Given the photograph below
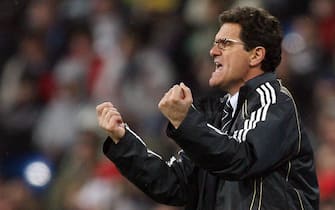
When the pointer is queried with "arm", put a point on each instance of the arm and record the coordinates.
(251, 151)
(163, 182)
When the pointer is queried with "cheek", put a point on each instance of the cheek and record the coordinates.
(241, 63)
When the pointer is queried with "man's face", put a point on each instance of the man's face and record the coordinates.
(230, 58)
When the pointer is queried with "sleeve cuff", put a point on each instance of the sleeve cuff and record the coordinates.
(173, 132)
(112, 150)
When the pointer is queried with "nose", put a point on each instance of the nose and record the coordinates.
(214, 51)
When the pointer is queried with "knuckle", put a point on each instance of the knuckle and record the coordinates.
(162, 103)
(174, 100)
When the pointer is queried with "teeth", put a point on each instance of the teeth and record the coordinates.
(217, 65)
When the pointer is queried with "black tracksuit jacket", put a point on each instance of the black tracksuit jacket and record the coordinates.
(265, 162)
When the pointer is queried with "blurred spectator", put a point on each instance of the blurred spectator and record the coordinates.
(75, 9)
(107, 26)
(11, 15)
(147, 76)
(324, 14)
(303, 63)
(22, 94)
(14, 195)
(29, 63)
(73, 75)
(325, 156)
(76, 167)
(285, 10)
(41, 16)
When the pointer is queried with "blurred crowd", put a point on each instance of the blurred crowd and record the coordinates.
(60, 58)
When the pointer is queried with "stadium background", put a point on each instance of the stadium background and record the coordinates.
(60, 58)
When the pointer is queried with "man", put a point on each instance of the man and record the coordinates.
(258, 158)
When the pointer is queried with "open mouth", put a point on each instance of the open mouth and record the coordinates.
(218, 66)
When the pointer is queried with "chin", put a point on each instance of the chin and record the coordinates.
(213, 83)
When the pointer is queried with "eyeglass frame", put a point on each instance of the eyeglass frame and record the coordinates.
(223, 44)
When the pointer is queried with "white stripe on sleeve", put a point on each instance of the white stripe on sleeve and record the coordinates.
(267, 97)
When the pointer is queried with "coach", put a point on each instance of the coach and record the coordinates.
(247, 150)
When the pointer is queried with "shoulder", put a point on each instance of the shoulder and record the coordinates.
(271, 95)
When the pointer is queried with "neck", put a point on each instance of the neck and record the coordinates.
(252, 73)
(233, 91)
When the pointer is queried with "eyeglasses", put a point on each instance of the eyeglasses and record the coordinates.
(225, 43)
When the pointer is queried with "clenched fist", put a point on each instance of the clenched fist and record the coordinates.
(176, 103)
(111, 121)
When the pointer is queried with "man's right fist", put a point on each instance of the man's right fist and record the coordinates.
(111, 121)
(175, 104)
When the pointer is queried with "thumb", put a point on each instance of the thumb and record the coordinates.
(186, 91)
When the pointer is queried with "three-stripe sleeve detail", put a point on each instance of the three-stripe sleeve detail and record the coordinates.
(267, 97)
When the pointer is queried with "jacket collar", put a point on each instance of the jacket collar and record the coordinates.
(257, 81)
(252, 84)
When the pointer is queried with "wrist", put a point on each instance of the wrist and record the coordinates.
(117, 136)
(114, 138)
(175, 123)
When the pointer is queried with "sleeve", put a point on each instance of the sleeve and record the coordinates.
(164, 182)
(263, 142)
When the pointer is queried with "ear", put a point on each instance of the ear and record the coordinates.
(256, 57)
